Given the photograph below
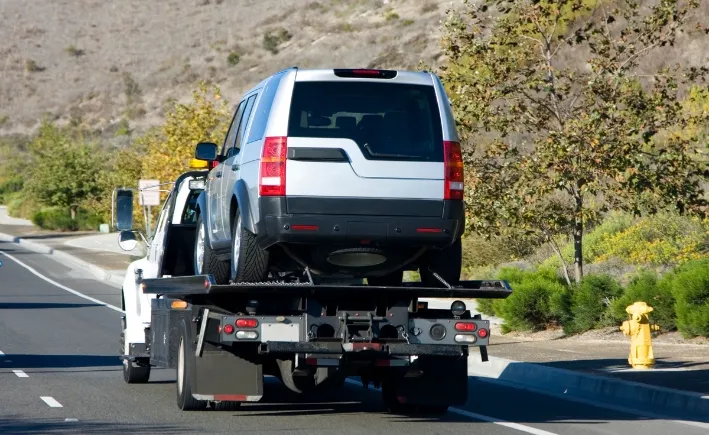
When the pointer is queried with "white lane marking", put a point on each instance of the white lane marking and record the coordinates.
(51, 401)
(2, 353)
(516, 426)
(20, 374)
(63, 287)
(71, 419)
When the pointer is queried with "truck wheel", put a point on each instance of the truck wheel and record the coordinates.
(133, 374)
(185, 370)
(249, 263)
(445, 262)
(205, 262)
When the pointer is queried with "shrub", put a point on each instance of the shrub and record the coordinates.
(590, 301)
(21, 205)
(54, 219)
(690, 286)
(535, 303)
(662, 239)
(272, 40)
(647, 287)
(233, 58)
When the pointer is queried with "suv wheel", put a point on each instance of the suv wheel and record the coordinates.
(205, 262)
(249, 263)
(445, 262)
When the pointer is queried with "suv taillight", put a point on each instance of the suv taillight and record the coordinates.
(453, 163)
(272, 181)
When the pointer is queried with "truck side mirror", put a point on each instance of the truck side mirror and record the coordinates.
(206, 151)
(127, 240)
(124, 210)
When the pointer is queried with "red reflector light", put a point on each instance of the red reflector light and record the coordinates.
(454, 172)
(228, 329)
(482, 333)
(429, 230)
(305, 227)
(272, 180)
(246, 323)
(465, 327)
(366, 72)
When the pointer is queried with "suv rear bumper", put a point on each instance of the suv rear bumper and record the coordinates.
(433, 223)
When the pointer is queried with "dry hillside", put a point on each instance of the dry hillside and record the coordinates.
(101, 63)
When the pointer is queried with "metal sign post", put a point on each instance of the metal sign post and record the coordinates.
(149, 196)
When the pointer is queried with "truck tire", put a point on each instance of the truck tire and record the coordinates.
(249, 263)
(133, 374)
(209, 263)
(185, 371)
(445, 262)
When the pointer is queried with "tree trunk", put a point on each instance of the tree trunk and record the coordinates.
(578, 239)
(73, 213)
(563, 262)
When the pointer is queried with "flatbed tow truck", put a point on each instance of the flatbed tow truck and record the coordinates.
(310, 333)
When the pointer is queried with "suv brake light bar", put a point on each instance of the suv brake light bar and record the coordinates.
(272, 177)
(369, 73)
(454, 171)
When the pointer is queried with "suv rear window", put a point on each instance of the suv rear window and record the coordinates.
(388, 121)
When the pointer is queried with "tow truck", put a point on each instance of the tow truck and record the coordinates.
(311, 333)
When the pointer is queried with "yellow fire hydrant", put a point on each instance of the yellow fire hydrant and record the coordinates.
(639, 329)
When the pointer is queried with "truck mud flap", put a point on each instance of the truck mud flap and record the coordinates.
(224, 376)
(443, 381)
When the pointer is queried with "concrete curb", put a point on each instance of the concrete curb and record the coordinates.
(632, 396)
(110, 277)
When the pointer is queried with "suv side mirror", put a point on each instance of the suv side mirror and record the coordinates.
(124, 210)
(206, 151)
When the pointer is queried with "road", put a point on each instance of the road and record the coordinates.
(60, 373)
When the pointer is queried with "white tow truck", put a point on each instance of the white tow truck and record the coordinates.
(312, 334)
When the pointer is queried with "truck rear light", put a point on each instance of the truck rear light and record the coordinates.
(214, 164)
(454, 172)
(465, 326)
(272, 180)
(247, 335)
(305, 227)
(228, 329)
(429, 230)
(462, 338)
(246, 323)
(365, 72)
(483, 333)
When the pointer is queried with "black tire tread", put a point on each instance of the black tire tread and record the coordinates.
(133, 374)
(218, 268)
(253, 261)
(186, 401)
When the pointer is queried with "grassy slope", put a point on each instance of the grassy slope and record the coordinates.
(68, 58)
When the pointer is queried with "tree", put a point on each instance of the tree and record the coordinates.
(573, 121)
(64, 170)
(170, 147)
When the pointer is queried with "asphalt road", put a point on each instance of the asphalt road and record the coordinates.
(59, 373)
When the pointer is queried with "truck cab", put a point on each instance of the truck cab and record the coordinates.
(169, 253)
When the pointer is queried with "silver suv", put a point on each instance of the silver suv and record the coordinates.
(352, 173)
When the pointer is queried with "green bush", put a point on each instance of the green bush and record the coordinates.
(54, 219)
(647, 287)
(21, 205)
(590, 302)
(536, 303)
(690, 286)
(58, 219)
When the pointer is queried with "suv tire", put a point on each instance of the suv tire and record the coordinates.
(445, 262)
(249, 263)
(210, 262)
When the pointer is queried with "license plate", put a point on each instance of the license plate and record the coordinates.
(280, 332)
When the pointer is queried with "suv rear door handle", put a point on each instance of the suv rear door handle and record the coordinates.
(235, 167)
(218, 175)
